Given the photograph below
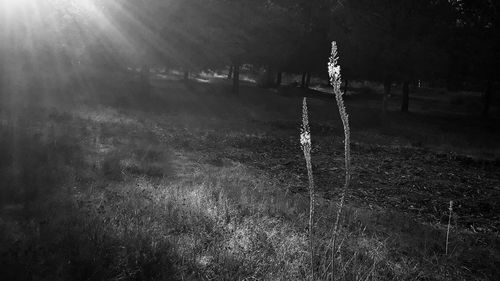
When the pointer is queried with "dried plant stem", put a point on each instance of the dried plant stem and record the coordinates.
(335, 81)
(311, 211)
(305, 141)
(449, 225)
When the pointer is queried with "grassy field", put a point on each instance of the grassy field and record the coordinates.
(193, 183)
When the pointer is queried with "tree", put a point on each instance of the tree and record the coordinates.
(275, 41)
(393, 40)
(474, 47)
(261, 33)
(309, 47)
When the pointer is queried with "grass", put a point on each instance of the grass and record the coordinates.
(195, 184)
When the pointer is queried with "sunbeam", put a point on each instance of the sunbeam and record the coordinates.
(158, 140)
(46, 43)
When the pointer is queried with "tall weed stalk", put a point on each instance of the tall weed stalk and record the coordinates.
(335, 81)
(305, 141)
(450, 209)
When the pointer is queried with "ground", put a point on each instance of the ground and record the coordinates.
(194, 183)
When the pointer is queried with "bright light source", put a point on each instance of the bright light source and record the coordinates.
(13, 6)
(13, 3)
(28, 7)
(40, 13)
(15, 11)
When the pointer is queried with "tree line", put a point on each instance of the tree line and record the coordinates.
(449, 42)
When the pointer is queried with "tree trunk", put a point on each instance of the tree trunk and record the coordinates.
(387, 93)
(406, 96)
(269, 78)
(230, 72)
(346, 85)
(453, 81)
(145, 83)
(303, 82)
(308, 79)
(236, 78)
(487, 98)
(278, 79)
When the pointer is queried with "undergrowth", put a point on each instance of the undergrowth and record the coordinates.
(119, 198)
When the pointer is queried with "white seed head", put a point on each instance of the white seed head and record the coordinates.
(334, 68)
(305, 138)
(334, 71)
(305, 135)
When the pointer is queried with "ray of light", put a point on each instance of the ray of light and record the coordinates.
(45, 42)
(40, 38)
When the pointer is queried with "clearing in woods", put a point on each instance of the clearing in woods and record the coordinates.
(193, 183)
